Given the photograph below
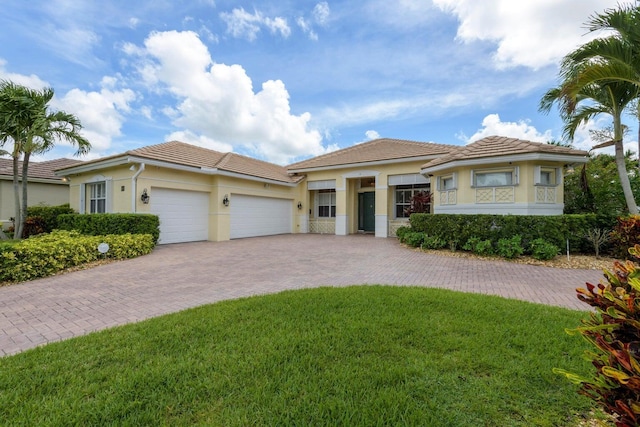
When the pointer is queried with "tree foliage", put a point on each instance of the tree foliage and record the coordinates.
(29, 126)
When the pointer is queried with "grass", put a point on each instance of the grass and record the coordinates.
(366, 355)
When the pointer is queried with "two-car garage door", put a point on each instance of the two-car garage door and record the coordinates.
(253, 216)
(184, 215)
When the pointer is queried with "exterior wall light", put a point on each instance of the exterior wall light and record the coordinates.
(299, 206)
(225, 200)
(145, 197)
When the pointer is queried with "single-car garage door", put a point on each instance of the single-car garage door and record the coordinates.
(184, 215)
(253, 216)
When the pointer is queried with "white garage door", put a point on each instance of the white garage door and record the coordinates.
(184, 215)
(253, 216)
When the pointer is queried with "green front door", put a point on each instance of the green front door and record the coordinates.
(367, 211)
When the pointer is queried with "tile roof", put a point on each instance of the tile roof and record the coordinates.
(373, 151)
(494, 146)
(38, 170)
(180, 153)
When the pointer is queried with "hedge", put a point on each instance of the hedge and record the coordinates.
(554, 229)
(111, 223)
(48, 215)
(47, 254)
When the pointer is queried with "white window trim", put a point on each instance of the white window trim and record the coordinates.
(317, 205)
(537, 174)
(515, 176)
(453, 176)
(108, 206)
(395, 197)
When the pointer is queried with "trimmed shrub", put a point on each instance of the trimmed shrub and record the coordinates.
(613, 329)
(401, 231)
(33, 225)
(433, 242)
(556, 229)
(414, 239)
(48, 254)
(480, 247)
(510, 248)
(543, 250)
(48, 215)
(111, 223)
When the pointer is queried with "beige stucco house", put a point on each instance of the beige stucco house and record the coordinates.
(201, 194)
(44, 187)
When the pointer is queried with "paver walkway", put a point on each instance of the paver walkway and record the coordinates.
(179, 276)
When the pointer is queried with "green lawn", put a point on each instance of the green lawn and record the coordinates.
(366, 355)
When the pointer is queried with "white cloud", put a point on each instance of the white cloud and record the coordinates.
(528, 33)
(319, 16)
(133, 22)
(372, 134)
(99, 112)
(492, 125)
(242, 24)
(32, 81)
(321, 13)
(216, 103)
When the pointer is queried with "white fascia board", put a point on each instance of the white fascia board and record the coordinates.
(561, 158)
(364, 164)
(35, 180)
(256, 178)
(93, 166)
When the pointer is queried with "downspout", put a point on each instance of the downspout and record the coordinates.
(134, 187)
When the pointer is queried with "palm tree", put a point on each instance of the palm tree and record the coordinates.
(613, 99)
(602, 77)
(26, 120)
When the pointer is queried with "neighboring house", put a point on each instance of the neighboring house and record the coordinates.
(44, 187)
(201, 194)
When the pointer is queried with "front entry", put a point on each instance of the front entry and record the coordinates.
(367, 211)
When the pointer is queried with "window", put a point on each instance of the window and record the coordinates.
(98, 197)
(327, 203)
(494, 178)
(404, 193)
(547, 176)
(447, 183)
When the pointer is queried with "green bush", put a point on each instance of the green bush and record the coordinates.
(414, 239)
(478, 246)
(111, 223)
(510, 248)
(48, 215)
(48, 254)
(401, 231)
(543, 250)
(613, 329)
(433, 242)
(555, 229)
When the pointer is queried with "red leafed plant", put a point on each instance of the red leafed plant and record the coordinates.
(420, 203)
(614, 330)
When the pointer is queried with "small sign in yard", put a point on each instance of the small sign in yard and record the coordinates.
(103, 248)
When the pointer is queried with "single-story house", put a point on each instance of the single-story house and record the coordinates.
(201, 194)
(44, 187)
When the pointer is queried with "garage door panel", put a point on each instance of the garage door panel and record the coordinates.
(253, 216)
(184, 215)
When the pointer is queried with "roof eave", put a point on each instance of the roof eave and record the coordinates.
(57, 181)
(366, 164)
(562, 158)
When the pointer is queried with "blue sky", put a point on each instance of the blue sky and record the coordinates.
(284, 80)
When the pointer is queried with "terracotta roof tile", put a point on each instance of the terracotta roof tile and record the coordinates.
(372, 151)
(39, 170)
(493, 146)
(180, 153)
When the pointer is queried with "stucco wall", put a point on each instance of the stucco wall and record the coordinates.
(38, 194)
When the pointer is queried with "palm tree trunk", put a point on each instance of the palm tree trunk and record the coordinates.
(624, 179)
(25, 183)
(17, 233)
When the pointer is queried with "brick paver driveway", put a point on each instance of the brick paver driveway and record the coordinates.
(176, 277)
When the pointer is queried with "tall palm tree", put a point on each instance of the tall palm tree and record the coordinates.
(27, 121)
(605, 71)
(611, 98)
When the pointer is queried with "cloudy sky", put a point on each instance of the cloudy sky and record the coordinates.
(283, 80)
